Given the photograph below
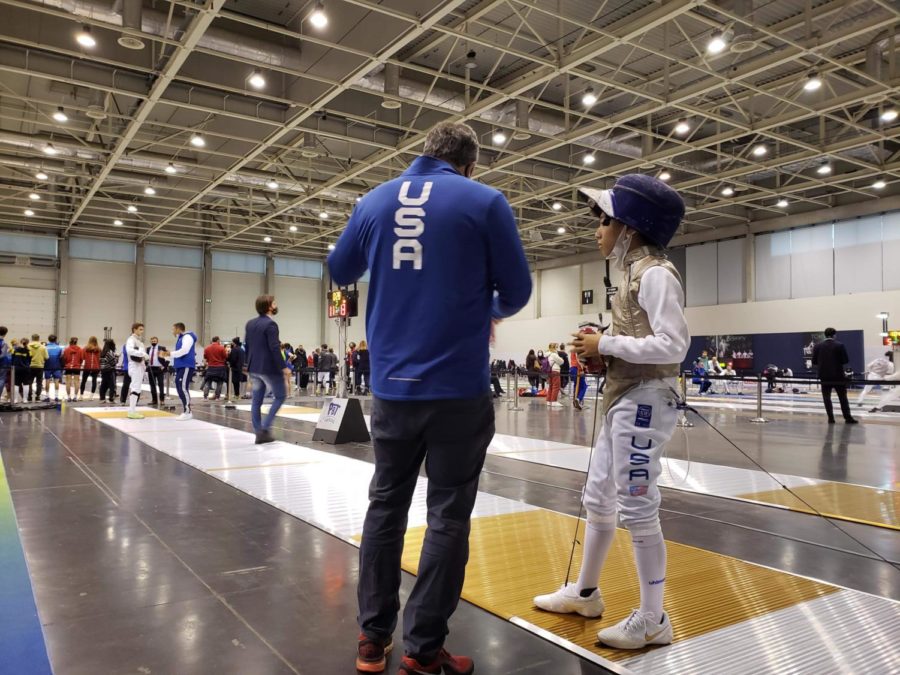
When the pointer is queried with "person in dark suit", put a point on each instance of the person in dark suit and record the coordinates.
(156, 371)
(830, 357)
(266, 366)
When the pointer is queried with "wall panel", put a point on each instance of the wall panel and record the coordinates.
(857, 255)
(171, 294)
(702, 275)
(812, 261)
(731, 271)
(100, 294)
(561, 291)
(233, 302)
(773, 266)
(300, 310)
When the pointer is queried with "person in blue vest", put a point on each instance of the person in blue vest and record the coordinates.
(446, 260)
(53, 368)
(5, 361)
(184, 359)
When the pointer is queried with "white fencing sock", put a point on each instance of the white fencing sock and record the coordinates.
(650, 558)
(132, 401)
(598, 537)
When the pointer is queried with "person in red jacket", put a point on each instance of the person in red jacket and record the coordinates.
(216, 372)
(72, 359)
(91, 367)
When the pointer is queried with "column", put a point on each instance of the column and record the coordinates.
(139, 285)
(269, 284)
(206, 299)
(62, 292)
(750, 268)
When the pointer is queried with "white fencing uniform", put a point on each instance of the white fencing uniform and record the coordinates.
(879, 369)
(135, 348)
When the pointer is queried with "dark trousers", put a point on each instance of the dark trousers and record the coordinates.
(37, 379)
(107, 385)
(236, 383)
(451, 437)
(85, 374)
(841, 391)
(126, 384)
(157, 377)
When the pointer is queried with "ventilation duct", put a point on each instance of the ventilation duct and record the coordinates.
(131, 18)
(391, 86)
(522, 132)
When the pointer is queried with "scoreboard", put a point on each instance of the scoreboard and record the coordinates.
(342, 303)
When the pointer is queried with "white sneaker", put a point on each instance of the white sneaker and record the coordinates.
(567, 601)
(135, 416)
(184, 417)
(637, 631)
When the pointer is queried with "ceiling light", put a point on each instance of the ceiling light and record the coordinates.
(889, 115)
(149, 190)
(330, 247)
(34, 196)
(132, 208)
(319, 18)
(665, 176)
(118, 223)
(293, 228)
(84, 37)
(323, 215)
(560, 230)
(267, 239)
(782, 203)
(760, 150)
(499, 138)
(589, 158)
(49, 149)
(883, 316)
(256, 79)
(40, 175)
(716, 44)
(556, 206)
(824, 170)
(28, 212)
(60, 115)
(682, 128)
(198, 141)
(170, 168)
(589, 98)
(879, 184)
(358, 200)
(272, 184)
(728, 191)
(471, 63)
(813, 83)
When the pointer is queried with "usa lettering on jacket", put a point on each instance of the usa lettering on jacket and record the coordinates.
(410, 226)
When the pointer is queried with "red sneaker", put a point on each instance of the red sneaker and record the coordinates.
(450, 665)
(371, 654)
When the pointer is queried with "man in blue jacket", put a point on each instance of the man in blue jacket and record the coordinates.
(266, 366)
(445, 259)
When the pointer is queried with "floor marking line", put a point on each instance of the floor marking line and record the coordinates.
(262, 466)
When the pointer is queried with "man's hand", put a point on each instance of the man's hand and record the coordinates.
(494, 324)
(587, 345)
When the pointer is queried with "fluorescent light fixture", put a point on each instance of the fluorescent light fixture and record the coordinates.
(760, 150)
(118, 223)
(170, 168)
(330, 247)
(824, 170)
(28, 212)
(665, 176)
(40, 175)
(782, 203)
(84, 37)
(267, 239)
(889, 115)
(132, 208)
(149, 190)
(813, 83)
(358, 200)
(60, 115)
(589, 158)
(589, 98)
(499, 138)
(272, 184)
(728, 191)
(319, 18)
(682, 128)
(198, 141)
(293, 228)
(34, 196)
(716, 44)
(883, 316)
(323, 215)
(256, 79)
(49, 149)
(879, 184)
(560, 230)
(556, 206)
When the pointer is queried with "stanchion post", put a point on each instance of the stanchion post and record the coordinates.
(509, 395)
(229, 404)
(513, 405)
(759, 419)
(683, 421)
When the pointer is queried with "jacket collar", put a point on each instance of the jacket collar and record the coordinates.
(425, 165)
(642, 252)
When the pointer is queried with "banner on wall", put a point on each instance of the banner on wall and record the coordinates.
(810, 340)
(736, 349)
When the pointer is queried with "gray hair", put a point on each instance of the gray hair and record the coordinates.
(453, 143)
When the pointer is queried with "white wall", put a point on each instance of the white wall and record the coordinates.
(233, 302)
(100, 294)
(171, 294)
(301, 310)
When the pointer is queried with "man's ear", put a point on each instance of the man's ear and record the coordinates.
(469, 170)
